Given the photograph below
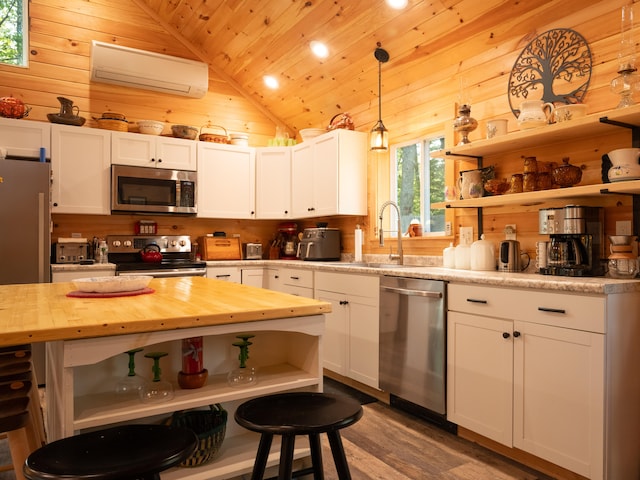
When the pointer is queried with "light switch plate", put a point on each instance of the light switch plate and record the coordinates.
(510, 231)
(466, 235)
(623, 227)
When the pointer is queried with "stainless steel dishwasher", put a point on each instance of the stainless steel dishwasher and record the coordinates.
(413, 345)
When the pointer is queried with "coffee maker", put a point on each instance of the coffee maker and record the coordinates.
(576, 246)
(287, 240)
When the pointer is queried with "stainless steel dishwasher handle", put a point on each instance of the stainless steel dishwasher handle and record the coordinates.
(417, 293)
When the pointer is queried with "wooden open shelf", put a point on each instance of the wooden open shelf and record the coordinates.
(542, 196)
(590, 125)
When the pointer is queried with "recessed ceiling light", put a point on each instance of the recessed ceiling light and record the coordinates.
(397, 4)
(319, 49)
(271, 82)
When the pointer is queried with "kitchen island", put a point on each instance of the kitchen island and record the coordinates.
(87, 337)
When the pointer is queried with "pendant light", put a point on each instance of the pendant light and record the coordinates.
(379, 134)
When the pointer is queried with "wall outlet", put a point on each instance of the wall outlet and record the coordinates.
(466, 235)
(623, 227)
(510, 231)
(447, 229)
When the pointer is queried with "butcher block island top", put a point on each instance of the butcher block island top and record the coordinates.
(43, 312)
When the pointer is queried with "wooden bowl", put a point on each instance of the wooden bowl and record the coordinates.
(496, 186)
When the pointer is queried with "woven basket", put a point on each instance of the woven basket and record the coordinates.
(112, 124)
(210, 427)
(215, 137)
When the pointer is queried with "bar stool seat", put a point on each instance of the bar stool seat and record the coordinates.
(20, 412)
(299, 413)
(122, 452)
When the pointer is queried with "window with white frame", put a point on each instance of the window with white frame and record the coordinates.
(417, 181)
(14, 38)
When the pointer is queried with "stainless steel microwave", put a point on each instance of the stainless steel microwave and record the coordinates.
(152, 190)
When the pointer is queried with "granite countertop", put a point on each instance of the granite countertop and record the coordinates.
(427, 267)
(76, 267)
(430, 268)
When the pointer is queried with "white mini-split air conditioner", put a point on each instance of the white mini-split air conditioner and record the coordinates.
(130, 67)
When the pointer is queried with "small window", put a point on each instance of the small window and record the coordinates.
(418, 181)
(14, 38)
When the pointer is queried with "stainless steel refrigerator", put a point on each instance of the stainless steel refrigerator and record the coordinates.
(25, 221)
(25, 226)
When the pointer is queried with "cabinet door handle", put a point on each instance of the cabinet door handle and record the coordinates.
(159, 160)
(505, 335)
(475, 300)
(294, 278)
(516, 334)
(223, 276)
(344, 302)
(552, 310)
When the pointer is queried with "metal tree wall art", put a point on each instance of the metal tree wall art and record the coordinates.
(556, 65)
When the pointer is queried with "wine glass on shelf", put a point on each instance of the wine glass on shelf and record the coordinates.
(131, 383)
(157, 390)
(242, 376)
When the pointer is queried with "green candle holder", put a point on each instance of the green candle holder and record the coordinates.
(242, 376)
(157, 390)
(131, 383)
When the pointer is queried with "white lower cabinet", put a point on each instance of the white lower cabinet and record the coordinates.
(351, 346)
(227, 274)
(253, 277)
(526, 368)
(92, 271)
(294, 281)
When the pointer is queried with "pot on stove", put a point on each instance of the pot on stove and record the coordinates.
(151, 253)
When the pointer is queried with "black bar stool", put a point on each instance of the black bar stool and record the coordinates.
(123, 452)
(299, 413)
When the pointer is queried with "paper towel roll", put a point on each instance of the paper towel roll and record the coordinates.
(358, 241)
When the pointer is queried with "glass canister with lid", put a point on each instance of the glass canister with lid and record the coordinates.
(623, 263)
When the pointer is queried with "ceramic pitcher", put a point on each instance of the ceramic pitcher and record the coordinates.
(534, 113)
(67, 108)
(470, 184)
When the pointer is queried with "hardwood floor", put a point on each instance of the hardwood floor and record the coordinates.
(388, 444)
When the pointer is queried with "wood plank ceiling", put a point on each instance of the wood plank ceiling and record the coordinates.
(243, 40)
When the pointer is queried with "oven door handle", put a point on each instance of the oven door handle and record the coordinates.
(407, 291)
(201, 272)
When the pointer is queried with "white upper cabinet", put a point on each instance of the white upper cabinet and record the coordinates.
(226, 181)
(80, 167)
(273, 183)
(153, 151)
(24, 138)
(329, 175)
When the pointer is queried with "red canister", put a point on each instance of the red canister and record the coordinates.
(192, 355)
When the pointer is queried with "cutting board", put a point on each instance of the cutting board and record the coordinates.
(220, 248)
